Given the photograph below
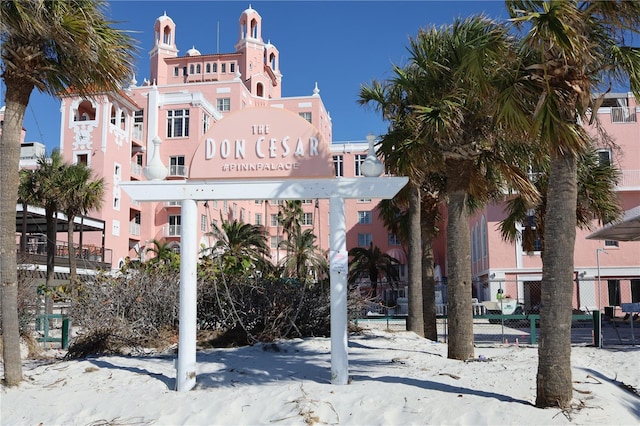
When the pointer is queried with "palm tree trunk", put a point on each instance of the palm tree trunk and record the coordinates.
(554, 387)
(415, 322)
(428, 288)
(460, 314)
(72, 256)
(17, 98)
(52, 228)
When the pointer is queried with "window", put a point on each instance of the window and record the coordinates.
(358, 160)
(234, 211)
(203, 223)
(364, 200)
(174, 226)
(82, 159)
(365, 240)
(223, 67)
(306, 116)
(242, 214)
(394, 240)
(310, 201)
(635, 291)
(139, 159)
(176, 71)
(274, 220)
(184, 71)
(225, 206)
(338, 165)
(258, 219)
(531, 233)
(215, 67)
(205, 122)
(614, 292)
(364, 217)
(258, 201)
(611, 243)
(207, 68)
(191, 69)
(307, 219)
(232, 67)
(224, 104)
(215, 204)
(277, 202)
(176, 166)
(604, 157)
(138, 122)
(275, 241)
(198, 69)
(177, 123)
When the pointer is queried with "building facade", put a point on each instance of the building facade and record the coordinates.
(217, 116)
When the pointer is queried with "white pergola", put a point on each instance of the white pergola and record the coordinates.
(190, 192)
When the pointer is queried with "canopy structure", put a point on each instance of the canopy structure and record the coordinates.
(627, 229)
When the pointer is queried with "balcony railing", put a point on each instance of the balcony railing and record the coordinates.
(134, 228)
(136, 169)
(136, 132)
(93, 256)
(171, 231)
(630, 180)
(179, 171)
(623, 115)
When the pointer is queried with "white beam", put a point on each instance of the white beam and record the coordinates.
(186, 366)
(338, 266)
(264, 189)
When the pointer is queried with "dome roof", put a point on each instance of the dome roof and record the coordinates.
(164, 18)
(250, 10)
(193, 52)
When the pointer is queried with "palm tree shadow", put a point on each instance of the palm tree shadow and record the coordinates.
(169, 382)
(441, 387)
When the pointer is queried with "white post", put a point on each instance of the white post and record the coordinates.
(186, 368)
(338, 263)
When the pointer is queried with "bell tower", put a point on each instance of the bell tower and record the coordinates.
(164, 46)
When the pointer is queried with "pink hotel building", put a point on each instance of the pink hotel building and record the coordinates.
(228, 108)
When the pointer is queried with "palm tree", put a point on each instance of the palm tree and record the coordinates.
(82, 195)
(25, 197)
(579, 51)
(48, 191)
(448, 85)
(372, 263)
(241, 247)
(394, 215)
(596, 199)
(51, 46)
(303, 257)
(163, 255)
(290, 216)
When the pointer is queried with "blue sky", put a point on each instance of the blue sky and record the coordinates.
(338, 44)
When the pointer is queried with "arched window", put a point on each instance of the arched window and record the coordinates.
(167, 35)
(191, 69)
(259, 90)
(254, 28)
(198, 70)
(207, 68)
(215, 67)
(84, 112)
(113, 114)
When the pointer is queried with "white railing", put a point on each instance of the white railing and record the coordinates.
(629, 179)
(134, 228)
(178, 170)
(136, 169)
(136, 132)
(623, 115)
(171, 231)
(173, 203)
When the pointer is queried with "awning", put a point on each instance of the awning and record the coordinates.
(398, 254)
(627, 229)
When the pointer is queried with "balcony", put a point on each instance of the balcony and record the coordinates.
(171, 231)
(629, 181)
(136, 169)
(89, 256)
(178, 171)
(623, 115)
(134, 228)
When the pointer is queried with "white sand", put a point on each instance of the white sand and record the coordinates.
(397, 379)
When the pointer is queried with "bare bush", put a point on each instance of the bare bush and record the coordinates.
(134, 307)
